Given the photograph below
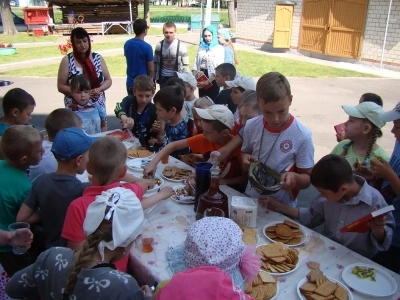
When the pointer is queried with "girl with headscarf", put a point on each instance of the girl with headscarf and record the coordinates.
(83, 61)
(225, 39)
(210, 55)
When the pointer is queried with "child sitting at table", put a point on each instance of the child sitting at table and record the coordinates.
(93, 115)
(57, 120)
(202, 103)
(248, 108)
(169, 102)
(22, 147)
(217, 122)
(344, 198)
(107, 158)
(278, 140)
(137, 112)
(190, 86)
(239, 85)
(18, 106)
(52, 193)
(113, 221)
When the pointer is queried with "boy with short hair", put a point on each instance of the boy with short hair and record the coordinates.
(106, 170)
(278, 140)
(217, 123)
(169, 103)
(57, 120)
(190, 86)
(22, 147)
(223, 73)
(344, 198)
(136, 111)
(239, 85)
(93, 115)
(52, 193)
(18, 106)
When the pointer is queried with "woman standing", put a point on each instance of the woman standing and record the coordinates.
(83, 61)
(210, 55)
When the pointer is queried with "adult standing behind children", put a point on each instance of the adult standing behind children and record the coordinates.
(57, 120)
(22, 147)
(112, 223)
(138, 54)
(83, 61)
(52, 193)
(170, 56)
(210, 55)
(278, 140)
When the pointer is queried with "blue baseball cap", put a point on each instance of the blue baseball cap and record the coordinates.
(71, 142)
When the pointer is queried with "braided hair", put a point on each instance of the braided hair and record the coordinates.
(102, 233)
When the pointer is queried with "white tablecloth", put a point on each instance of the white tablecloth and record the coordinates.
(163, 223)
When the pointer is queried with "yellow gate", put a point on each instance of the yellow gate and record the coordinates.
(333, 27)
(283, 26)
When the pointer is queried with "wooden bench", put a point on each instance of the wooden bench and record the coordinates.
(91, 28)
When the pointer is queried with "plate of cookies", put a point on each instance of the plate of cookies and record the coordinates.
(175, 174)
(250, 236)
(317, 286)
(139, 152)
(263, 287)
(286, 232)
(182, 195)
(278, 259)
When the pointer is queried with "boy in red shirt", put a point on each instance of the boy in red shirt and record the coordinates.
(107, 166)
(217, 123)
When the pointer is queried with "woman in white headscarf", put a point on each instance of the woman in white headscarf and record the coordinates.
(61, 273)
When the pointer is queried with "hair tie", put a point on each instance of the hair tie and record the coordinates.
(112, 202)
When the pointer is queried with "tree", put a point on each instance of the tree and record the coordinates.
(147, 11)
(231, 14)
(7, 18)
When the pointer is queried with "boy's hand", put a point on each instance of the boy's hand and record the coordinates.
(246, 160)
(149, 182)
(377, 226)
(127, 122)
(381, 169)
(201, 85)
(167, 192)
(289, 180)
(272, 204)
(366, 173)
(149, 170)
(156, 126)
(152, 141)
(147, 291)
(339, 138)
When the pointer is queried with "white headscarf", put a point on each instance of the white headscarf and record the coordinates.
(127, 214)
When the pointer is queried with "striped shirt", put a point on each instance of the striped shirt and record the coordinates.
(336, 215)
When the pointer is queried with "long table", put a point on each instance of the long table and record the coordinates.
(170, 220)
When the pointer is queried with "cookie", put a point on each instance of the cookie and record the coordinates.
(326, 288)
(313, 265)
(271, 235)
(270, 229)
(308, 287)
(294, 241)
(341, 293)
(291, 224)
(284, 231)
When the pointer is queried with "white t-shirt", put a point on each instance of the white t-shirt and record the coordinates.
(293, 145)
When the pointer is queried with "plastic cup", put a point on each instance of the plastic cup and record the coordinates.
(214, 212)
(19, 236)
(147, 244)
(160, 247)
(165, 159)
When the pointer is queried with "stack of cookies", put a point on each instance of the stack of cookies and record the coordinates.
(249, 236)
(287, 232)
(264, 286)
(277, 258)
(318, 287)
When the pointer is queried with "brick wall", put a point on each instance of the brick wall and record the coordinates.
(255, 21)
(375, 32)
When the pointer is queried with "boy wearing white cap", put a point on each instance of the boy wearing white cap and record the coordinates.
(239, 85)
(390, 189)
(190, 86)
(217, 123)
(112, 222)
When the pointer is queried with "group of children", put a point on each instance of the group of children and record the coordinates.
(263, 131)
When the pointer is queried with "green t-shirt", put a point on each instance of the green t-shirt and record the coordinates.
(14, 188)
(351, 156)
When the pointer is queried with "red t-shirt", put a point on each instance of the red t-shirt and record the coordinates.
(76, 213)
(230, 167)
(236, 128)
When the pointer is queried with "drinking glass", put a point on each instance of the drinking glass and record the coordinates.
(160, 247)
(214, 212)
(19, 236)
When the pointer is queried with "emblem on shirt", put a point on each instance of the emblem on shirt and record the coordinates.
(286, 146)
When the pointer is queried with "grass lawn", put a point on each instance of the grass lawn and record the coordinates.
(157, 13)
(250, 64)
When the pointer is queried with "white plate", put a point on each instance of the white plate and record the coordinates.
(156, 186)
(170, 179)
(303, 239)
(304, 280)
(137, 164)
(384, 285)
(277, 289)
(182, 200)
(281, 274)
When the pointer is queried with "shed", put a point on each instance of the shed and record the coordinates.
(195, 21)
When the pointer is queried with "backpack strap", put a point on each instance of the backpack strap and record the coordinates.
(177, 56)
(161, 60)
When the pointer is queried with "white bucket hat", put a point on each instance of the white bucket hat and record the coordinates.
(126, 213)
(245, 82)
(391, 115)
(217, 112)
(189, 78)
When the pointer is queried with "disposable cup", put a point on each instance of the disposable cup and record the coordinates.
(160, 247)
(19, 236)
